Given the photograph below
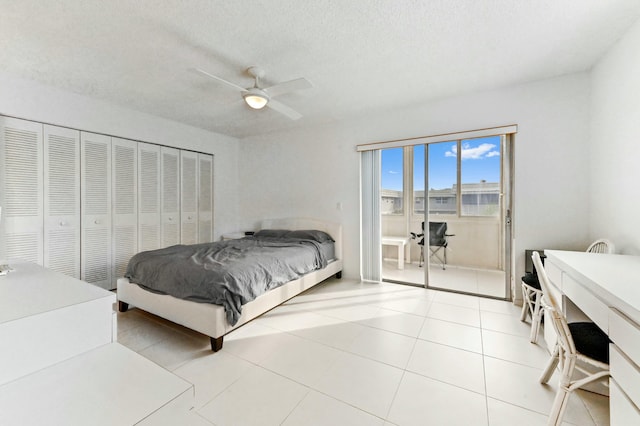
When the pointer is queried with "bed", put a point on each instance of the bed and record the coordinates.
(212, 319)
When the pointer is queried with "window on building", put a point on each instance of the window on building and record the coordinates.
(477, 185)
(392, 178)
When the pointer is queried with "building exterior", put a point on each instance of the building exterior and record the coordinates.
(477, 199)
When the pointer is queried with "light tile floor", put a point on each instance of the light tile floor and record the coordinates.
(351, 353)
(467, 280)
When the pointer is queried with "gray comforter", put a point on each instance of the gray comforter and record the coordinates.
(227, 273)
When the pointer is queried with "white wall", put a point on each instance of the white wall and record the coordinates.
(615, 145)
(307, 172)
(32, 101)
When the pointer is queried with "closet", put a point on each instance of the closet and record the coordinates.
(188, 197)
(205, 199)
(61, 200)
(124, 206)
(21, 190)
(82, 203)
(149, 196)
(95, 181)
(170, 197)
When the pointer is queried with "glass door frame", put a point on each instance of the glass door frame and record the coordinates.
(508, 133)
(506, 211)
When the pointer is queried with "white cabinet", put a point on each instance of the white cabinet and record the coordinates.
(170, 197)
(63, 366)
(205, 198)
(124, 206)
(62, 200)
(39, 312)
(623, 411)
(188, 197)
(149, 196)
(624, 355)
(21, 189)
(96, 209)
(592, 283)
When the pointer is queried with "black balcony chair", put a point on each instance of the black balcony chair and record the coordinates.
(420, 238)
(438, 241)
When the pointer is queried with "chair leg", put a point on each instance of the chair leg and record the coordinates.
(421, 261)
(445, 258)
(535, 329)
(551, 366)
(536, 319)
(525, 304)
(562, 396)
(559, 407)
(437, 256)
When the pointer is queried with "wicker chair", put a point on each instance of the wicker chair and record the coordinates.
(532, 292)
(532, 304)
(601, 246)
(579, 341)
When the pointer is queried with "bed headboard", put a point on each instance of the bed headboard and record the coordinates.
(298, 223)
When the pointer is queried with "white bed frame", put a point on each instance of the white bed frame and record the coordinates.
(210, 319)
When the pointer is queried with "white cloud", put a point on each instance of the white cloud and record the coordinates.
(393, 172)
(479, 152)
(452, 153)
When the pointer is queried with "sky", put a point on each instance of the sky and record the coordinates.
(480, 160)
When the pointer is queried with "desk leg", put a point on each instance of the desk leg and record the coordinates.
(400, 256)
(407, 258)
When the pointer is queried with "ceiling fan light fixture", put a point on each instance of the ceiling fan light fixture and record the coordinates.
(256, 98)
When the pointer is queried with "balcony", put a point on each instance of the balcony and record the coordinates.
(474, 254)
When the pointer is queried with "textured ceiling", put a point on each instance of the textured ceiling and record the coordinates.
(361, 56)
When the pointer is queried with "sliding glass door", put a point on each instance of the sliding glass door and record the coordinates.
(444, 215)
(465, 248)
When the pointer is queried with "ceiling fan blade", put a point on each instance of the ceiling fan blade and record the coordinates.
(222, 80)
(283, 109)
(288, 86)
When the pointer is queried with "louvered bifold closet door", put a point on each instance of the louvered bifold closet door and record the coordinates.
(21, 190)
(170, 196)
(62, 200)
(188, 197)
(205, 198)
(149, 197)
(96, 209)
(124, 155)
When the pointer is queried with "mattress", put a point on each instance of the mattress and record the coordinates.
(228, 273)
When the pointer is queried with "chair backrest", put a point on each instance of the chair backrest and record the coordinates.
(552, 307)
(416, 236)
(601, 246)
(437, 233)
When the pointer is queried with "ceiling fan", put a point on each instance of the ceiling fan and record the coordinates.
(258, 97)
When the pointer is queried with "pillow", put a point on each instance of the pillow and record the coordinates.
(271, 233)
(310, 234)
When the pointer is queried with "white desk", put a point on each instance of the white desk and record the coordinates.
(47, 317)
(60, 364)
(403, 244)
(606, 287)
